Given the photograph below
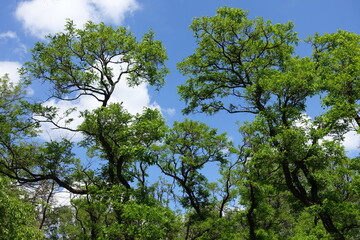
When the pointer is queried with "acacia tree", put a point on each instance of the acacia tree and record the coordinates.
(337, 59)
(123, 140)
(188, 147)
(249, 66)
(92, 61)
(24, 159)
(89, 62)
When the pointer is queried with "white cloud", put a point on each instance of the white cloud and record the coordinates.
(42, 17)
(351, 141)
(63, 198)
(10, 68)
(114, 11)
(169, 111)
(20, 49)
(8, 34)
(134, 99)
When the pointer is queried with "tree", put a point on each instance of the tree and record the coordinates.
(336, 57)
(249, 66)
(123, 140)
(77, 63)
(93, 60)
(289, 179)
(17, 218)
(188, 147)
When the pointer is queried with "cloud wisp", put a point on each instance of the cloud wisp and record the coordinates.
(8, 35)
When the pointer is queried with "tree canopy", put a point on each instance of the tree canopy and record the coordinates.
(287, 176)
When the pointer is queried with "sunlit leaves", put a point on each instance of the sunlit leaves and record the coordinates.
(122, 139)
(91, 61)
(17, 218)
(249, 66)
(233, 53)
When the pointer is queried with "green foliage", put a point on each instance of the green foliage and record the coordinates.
(142, 221)
(337, 59)
(290, 179)
(91, 61)
(233, 53)
(15, 120)
(189, 145)
(109, 214)
(248, 66)
(17, 218)
(123, 140)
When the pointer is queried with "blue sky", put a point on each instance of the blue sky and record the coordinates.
(24, 22)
